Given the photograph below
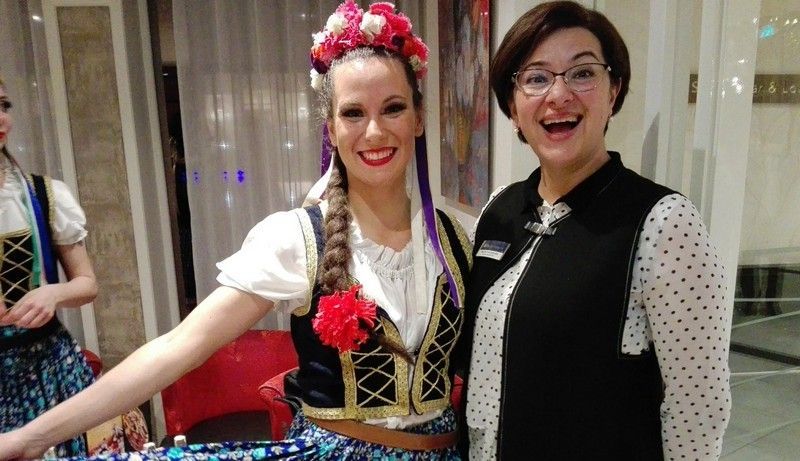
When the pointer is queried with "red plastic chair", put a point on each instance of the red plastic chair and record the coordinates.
(280, 412)
(228, 381)
(95, 363)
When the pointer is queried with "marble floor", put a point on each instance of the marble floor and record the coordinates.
(765, 420)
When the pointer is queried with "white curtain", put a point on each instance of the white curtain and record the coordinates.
(250, 126)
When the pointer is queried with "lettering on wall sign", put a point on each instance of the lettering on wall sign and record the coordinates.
(767, 88)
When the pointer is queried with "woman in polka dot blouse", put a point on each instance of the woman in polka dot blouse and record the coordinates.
(596, 303)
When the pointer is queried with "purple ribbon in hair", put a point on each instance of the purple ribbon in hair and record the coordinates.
(428, 213)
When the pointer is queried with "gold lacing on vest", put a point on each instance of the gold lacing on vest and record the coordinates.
(392, 374)
(431, 385)
(16, 254)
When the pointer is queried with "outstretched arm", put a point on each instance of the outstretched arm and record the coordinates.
(219, 319)
(39, 305)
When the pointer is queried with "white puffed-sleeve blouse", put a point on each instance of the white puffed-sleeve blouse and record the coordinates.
(68, 223)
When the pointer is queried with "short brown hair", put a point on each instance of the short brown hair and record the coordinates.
(533, 27)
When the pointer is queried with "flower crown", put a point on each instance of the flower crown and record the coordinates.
(350, 27)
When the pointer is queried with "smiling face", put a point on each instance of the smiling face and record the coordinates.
(5, 117)
(566, 129)
(373, 122)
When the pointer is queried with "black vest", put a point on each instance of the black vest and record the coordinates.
(371, 382)
(16, 266)
(568, 392)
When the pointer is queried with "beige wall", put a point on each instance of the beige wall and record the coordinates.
(94, 115)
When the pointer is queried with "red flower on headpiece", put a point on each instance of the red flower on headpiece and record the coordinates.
(382, 7)
(342, 317)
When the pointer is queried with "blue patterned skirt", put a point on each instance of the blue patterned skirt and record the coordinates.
(333, 446)
(287, 450)
(37, 377)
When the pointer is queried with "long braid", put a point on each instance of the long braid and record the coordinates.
(334, 274)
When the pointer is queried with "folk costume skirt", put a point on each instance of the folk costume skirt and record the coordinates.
(38, 376)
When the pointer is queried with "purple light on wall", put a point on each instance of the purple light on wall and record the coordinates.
(240, 176)
(196, 177)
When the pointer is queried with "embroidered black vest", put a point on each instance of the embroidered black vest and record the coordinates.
(370, 382)
(568, 392)
(16, 267)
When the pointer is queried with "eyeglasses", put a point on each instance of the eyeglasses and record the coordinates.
(536, 82)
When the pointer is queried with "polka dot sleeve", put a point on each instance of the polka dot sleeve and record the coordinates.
(683, 290)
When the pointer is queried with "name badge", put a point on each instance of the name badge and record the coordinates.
(493, 249)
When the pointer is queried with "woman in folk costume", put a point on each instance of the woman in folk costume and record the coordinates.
(371, 273)
(386, 250)
(40, 223)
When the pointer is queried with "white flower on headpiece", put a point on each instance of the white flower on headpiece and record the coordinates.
(316, 80)
(319, 37)
(371, 25)
(336, 24)
(416, 63)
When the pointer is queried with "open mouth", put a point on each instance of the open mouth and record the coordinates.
(377, 157)
(561, 125)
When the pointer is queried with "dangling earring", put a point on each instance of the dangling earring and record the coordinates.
(516, 130)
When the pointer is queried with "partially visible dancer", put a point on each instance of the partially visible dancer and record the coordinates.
(40, 223)
(371, 274)
(596, 303)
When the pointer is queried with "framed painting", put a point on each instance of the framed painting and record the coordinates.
(464, 106)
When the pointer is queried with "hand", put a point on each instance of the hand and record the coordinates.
(35, 309)
(13, 447)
